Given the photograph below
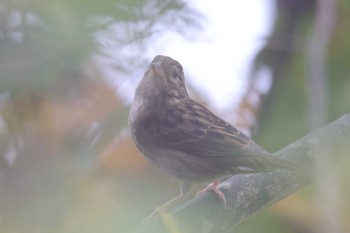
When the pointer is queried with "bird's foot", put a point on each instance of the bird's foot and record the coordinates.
(213, 187)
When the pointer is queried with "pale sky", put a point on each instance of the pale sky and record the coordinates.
(219, 63)
(218, 60)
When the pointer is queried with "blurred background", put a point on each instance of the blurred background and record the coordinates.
(275, 68)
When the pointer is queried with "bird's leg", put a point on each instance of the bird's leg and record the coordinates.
(184, 189)
(213, 187)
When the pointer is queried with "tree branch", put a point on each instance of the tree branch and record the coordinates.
(246, 194)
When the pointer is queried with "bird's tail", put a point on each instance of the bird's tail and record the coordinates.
(269, 163)
(277, 163)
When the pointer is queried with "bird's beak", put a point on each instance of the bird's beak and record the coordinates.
(156, 68)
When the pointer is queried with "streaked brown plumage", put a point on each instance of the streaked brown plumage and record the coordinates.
(184, 138)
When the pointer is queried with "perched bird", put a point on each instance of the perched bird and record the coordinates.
(185, 139)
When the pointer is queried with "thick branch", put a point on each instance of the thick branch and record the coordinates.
(246, 194)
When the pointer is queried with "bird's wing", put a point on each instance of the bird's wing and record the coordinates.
(193, 129)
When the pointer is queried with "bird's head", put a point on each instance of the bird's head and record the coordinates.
(164, 78)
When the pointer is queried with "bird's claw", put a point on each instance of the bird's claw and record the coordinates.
(214, 186)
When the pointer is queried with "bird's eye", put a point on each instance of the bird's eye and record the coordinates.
(176, 74)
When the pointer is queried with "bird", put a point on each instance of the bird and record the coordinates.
(186, 140)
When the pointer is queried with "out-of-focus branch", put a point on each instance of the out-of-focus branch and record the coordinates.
(247, 194)
(316, 57)
(316, 83)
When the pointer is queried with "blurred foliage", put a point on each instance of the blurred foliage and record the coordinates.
(65, 162)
